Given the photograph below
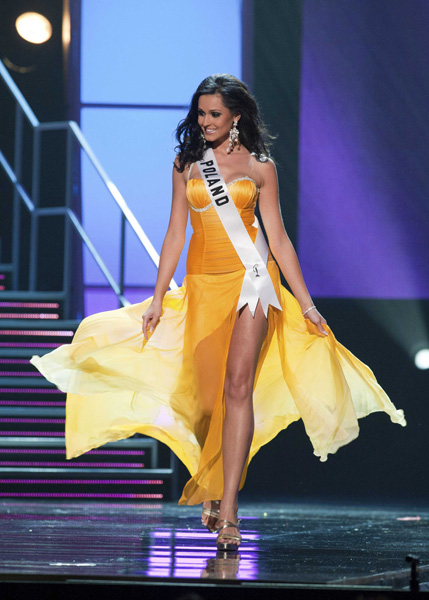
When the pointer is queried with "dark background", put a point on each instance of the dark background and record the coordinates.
(387, 463)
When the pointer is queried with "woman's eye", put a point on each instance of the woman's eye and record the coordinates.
(215, 114)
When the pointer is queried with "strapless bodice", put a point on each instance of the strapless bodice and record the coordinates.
(244, 191)
(210, 249)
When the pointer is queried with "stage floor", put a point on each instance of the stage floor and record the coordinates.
(287, 543)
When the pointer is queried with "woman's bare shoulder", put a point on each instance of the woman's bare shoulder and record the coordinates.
(180, 176)
(265, 168)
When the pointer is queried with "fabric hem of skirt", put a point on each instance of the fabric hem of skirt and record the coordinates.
(396, 416)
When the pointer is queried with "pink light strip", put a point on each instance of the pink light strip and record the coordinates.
(80, 495)
(62, 451)
(86, 481)
(33, 433)
(46, 421)
(13, 463)
(145, 508)
(30, 403)
(2, 288)
(30, 391)
(29, 316)
(38, 332)
(2, 276)
(19, 374)
(29, 304)
(14, 361)
(29, 345)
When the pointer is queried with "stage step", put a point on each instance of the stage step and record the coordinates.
(29, 310)
(134, 453)
(37, 305)
(33, 460)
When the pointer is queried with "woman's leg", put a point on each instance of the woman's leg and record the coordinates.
(246, 342)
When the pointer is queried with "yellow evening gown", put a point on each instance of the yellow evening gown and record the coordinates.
(171, 387)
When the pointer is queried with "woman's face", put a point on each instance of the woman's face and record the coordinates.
(214, 118)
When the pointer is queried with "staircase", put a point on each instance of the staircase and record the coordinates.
(32, 419)
(32, 411)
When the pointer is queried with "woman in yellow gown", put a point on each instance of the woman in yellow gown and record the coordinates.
(213, 383)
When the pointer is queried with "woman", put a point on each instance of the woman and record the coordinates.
(221, 369)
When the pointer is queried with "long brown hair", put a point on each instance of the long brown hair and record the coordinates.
(237, 98)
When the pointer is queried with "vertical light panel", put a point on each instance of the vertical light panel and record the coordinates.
(133, 162)
(142, 52)
(363, 204)
(141, 63)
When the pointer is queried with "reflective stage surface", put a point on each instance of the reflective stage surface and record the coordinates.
(291, 543)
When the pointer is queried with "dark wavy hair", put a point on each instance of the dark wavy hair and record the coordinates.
(237, 98)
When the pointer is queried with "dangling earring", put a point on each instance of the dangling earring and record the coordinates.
(203, 137)
(233, 138)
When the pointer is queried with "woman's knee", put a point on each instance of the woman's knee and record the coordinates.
(238, 388)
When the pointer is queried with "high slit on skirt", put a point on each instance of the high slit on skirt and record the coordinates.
(171, 387)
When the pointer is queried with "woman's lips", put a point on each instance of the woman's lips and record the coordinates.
(209, 131)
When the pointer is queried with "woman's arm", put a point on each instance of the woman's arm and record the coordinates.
(171, 250)
(280, 244)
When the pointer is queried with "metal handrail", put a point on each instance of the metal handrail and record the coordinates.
(21, 197)
(16, 92)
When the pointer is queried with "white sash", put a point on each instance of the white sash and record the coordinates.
(257, 284)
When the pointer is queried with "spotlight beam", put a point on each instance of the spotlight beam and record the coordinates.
(402, 320)
(421, 359)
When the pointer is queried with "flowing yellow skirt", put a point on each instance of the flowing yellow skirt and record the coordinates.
(171, 387)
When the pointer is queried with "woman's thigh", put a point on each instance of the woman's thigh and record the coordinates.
(246, 342)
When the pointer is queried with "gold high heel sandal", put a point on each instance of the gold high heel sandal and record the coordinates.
(226, 546)
(213, 513)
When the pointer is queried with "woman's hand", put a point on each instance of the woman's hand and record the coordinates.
(151, 317)
(316, 318)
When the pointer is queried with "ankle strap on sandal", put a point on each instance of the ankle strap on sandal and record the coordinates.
(227, 524)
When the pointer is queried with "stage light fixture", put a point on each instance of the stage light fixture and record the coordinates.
(421, 359)
(34, 27)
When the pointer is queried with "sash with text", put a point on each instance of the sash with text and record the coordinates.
(257, 284)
